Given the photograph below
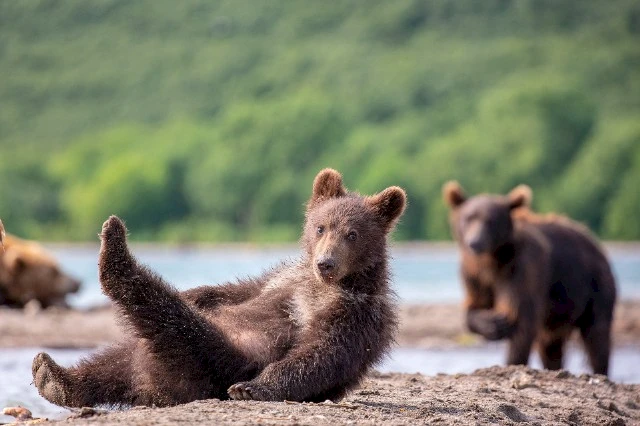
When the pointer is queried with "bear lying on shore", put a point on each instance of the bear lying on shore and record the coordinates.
(305, 331)
(531, 278)
(28, 272)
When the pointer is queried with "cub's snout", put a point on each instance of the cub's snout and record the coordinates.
(326, 265)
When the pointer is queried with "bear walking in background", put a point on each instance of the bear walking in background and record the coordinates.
(307, 330)
(531, 278)
(28, 272)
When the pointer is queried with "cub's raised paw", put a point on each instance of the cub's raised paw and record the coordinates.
(114, 262)
(251, 391)
(50, 379)
(113, 230)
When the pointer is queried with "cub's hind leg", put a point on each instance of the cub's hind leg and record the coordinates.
(597, 342)
(102, 379)
(184, 341)
(595, 329)
(551, 348)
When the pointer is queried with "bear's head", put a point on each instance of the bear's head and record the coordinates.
(28, 272)
(484, 223)
(344, 232)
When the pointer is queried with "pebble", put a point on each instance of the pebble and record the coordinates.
(20, 413)
(522, 380)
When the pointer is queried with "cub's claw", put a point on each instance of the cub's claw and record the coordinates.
(250, 391)
(49, 379)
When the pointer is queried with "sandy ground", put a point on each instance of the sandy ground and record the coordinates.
(496, 395)
(422, 326)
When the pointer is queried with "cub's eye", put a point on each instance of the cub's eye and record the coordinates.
(470, 218)
(320, 230)
(352, 235)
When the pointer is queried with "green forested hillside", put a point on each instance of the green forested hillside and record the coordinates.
(207, 120)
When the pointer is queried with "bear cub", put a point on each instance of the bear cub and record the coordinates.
(531, 278)
(307, 330)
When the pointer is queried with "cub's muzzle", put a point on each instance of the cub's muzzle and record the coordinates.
(326, 267)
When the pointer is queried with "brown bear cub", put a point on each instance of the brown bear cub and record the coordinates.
(305, 331)
(531, 278)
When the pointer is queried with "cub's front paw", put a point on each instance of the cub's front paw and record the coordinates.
(490, 325)
(251, 391)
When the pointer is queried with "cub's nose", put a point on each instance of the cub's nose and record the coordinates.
(477, 246)
(75, 285)
(326, 265)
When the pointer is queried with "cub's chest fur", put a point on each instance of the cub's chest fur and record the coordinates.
(305, 307)
(260, 329)
(266, 328)
(481, 271)
(304, 298)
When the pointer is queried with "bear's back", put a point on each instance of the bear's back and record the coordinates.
(579, 270)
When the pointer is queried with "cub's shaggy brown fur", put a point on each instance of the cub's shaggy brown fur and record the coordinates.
(307, 330)
(532, 278)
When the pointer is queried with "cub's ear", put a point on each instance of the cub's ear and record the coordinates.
(2, 235)
(14, 262)
(453, 194)
(327, 184)
(389, 205)
(520, 196)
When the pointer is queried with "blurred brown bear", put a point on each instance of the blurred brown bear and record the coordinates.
(28, 272)
(531, 278)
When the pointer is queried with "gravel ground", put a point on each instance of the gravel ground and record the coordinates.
(496, 395)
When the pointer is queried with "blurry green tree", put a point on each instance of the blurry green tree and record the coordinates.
(202, 120)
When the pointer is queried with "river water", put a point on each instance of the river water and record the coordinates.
(421, 273)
